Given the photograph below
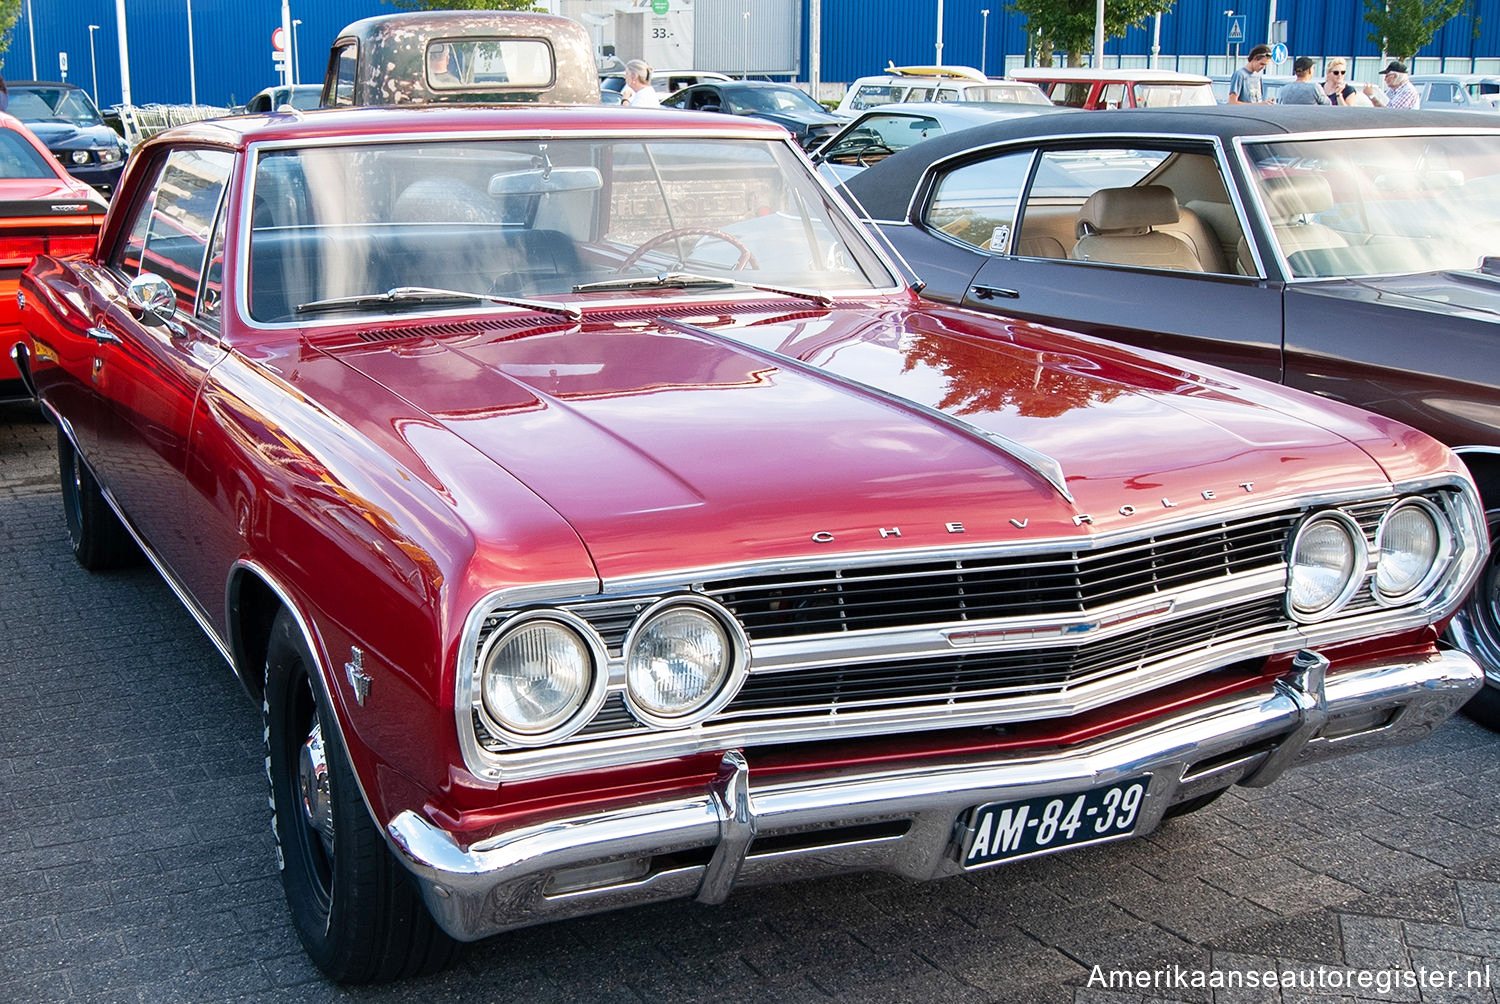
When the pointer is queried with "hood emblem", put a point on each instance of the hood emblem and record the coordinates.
(1022, 522)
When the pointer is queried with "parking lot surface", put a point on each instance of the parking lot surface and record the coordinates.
(136, 859)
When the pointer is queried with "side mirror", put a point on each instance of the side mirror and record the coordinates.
(151, 299)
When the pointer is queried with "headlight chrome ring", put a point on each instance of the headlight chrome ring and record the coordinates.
(1327, 563)
(1413, 546)
(685, 658)
(541, 677)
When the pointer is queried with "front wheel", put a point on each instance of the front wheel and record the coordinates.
(1476, 630)
(356, 911)
(98, 538)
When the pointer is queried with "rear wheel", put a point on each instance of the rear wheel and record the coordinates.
(98, 538)
(356, 911)
(1476, 630)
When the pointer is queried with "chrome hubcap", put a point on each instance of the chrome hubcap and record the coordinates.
(312, 784)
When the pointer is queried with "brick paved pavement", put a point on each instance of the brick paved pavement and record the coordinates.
(136, 860)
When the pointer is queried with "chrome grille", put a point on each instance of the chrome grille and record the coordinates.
(860, 600)
(838, 600)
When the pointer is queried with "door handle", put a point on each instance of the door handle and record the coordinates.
(103, 335)
(991, 292)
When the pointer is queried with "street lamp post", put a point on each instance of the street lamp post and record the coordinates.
(192, 67)
(31, 31)
(745, 68)
(940, 33)
(295, 21)
(984, 41)
(93, 67)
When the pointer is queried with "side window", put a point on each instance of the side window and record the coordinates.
(1113, 96)
(170, 232)
(976, 203)
(946, 94)
(211, 296)
(1166, 209)
(344, 61)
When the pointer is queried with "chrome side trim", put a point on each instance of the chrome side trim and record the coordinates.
(499, 883)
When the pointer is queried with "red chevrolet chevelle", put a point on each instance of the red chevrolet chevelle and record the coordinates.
(600, 519)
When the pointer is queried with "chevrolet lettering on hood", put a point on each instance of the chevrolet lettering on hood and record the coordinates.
(1024, 522)
(692, 548)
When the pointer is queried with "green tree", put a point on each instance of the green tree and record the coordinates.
(1403, 27)
(460, 4)
(1068, 25)
(10, 11)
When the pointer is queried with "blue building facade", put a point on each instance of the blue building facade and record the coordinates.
(231, 40)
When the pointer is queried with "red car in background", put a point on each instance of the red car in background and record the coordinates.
(43, 210)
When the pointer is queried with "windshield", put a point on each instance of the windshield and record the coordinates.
(1173, 95)
(1381, 205)
(748, 100)
(1014, 94)
(55, 104)
(528, 218)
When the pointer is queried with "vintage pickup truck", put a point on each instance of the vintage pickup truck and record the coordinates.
(597, 518)
(471, 57)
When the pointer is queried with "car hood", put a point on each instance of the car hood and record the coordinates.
(1455, 293)
(761, 433)
(799, 122)
(68, 136)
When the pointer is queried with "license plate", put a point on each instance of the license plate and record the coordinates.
(999, 831)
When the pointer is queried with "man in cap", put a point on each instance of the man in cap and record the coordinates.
(1398, 90)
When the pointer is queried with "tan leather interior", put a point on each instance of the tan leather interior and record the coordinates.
(1118, 225)
(1291, 202)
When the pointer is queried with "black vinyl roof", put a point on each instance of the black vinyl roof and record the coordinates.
(885, 188)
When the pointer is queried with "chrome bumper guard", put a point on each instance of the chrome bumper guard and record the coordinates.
(910, 821)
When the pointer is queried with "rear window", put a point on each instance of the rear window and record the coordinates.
(19, 159)
(484, 63)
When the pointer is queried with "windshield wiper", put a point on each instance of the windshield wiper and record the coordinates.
(692, 280)
(421, 296)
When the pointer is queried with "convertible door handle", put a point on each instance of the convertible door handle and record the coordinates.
(991, 292)
(103, 335)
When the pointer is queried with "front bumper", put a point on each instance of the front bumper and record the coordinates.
(910, 821)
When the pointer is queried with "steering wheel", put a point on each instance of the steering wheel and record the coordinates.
(873, 148)
(746, 259)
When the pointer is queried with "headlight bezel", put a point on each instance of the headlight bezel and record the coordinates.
(737, 643)
(1441, 562)
(583, 712)
(1359, 565)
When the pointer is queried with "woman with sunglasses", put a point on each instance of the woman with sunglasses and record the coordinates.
(1336, 81)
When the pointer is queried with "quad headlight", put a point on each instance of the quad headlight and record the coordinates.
(683, 661)
(79, 156)
(1328, 561)
(542, 677)
(1415, 545)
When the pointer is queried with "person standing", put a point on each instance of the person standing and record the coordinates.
(1302, 91)
(1399, 91)
(1245, 85)
(638, 85)
(1336, 84)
